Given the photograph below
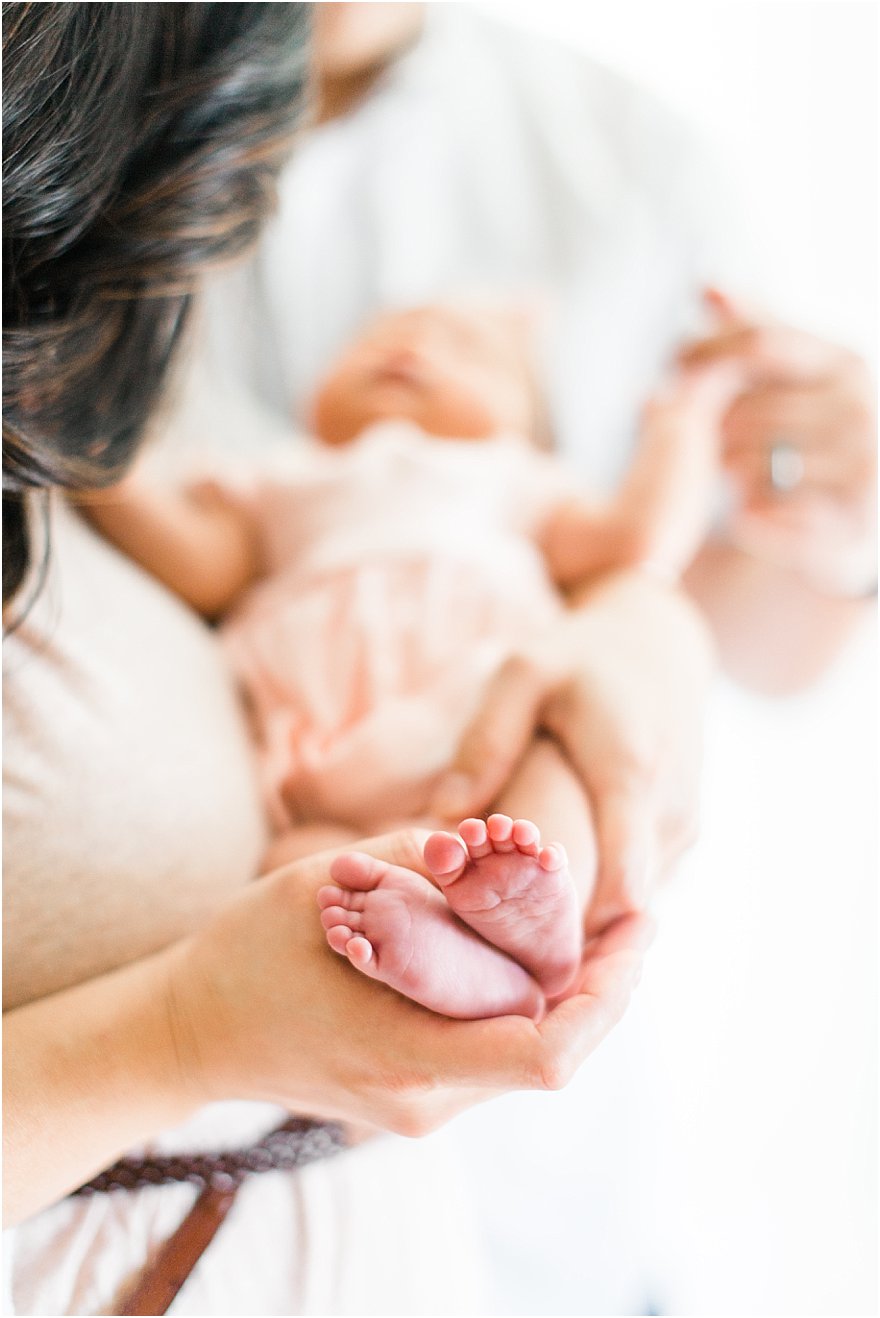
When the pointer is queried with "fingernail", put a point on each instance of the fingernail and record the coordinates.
(452, 796)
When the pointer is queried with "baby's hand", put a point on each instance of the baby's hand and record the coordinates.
(670, 492)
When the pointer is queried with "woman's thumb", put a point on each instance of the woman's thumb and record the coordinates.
(494, 742)
(729, 311)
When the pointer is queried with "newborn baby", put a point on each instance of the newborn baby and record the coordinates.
(366, 596)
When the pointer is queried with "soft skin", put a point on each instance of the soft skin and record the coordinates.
(245, 1009)
(785, 586)
(632, 730)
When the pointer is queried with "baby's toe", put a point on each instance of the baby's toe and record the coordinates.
(526, 836)
(476, 839)
(359, 951)
(356, 869)
(445, 856)
(500, 830)
(339, 938)
(552, 857)
(330, 895)
(332, 916)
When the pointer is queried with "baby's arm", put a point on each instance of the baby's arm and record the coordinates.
(662, 512)
(195, 542)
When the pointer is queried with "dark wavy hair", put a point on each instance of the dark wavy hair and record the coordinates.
(140, 144)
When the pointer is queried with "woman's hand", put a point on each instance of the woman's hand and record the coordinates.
(262, 1009)
(621, 682)
(257, 1006)
(800, 446)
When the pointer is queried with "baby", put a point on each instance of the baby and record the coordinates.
(367, 594)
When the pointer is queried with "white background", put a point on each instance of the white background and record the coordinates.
(756, 1162)
(787, 92)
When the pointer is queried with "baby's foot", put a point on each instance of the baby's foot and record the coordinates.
(518, 895)
(395, 926)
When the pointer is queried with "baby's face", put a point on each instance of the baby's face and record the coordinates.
(455, 373)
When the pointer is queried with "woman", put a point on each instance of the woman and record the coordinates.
(147, 977)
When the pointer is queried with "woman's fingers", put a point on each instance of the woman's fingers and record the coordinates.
(610, 971)
(495, 741)
(729, 310)
(512, 1053)
(768, 351)
(625, 829)
(835, 477)
(812, 533)
(831, 428)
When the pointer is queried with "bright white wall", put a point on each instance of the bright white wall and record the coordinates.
(760, 995)
(787, 90)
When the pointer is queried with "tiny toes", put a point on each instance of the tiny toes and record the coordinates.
(338, 915)
(339, 938)
(357, 870)
(359, 951)
(445, 856)
(500, 829)
(552, 857)
(476, 839)
(330, 896)
(526, 836)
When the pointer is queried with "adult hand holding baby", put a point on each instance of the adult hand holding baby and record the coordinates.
(621, 682)
(263, 1009)
(256, 1006)
(621, 679)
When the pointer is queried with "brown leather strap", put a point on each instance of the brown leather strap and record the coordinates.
(159, 1283)
(294, 1144)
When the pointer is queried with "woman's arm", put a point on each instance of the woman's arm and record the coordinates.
(196, 543)
(256, 1006)
(87, 1073)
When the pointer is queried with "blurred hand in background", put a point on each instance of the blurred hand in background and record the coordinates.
(800, 447)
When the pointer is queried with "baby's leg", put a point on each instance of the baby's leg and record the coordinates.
(547, 790)
(518, 896)
(395, 926)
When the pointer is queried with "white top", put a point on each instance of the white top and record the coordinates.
(486, 160)
(130, 808)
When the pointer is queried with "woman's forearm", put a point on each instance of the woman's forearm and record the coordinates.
(87, 1073)
(256, 1006)
(774, 632)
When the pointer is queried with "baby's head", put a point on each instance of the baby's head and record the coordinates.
(458, 371)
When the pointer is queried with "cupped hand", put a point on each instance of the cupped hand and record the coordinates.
(262, 1009)
(621, 682)
(816, 400)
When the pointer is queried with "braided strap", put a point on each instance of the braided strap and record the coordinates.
(294, 1144)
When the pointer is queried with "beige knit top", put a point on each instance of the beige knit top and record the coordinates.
(130, 806)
